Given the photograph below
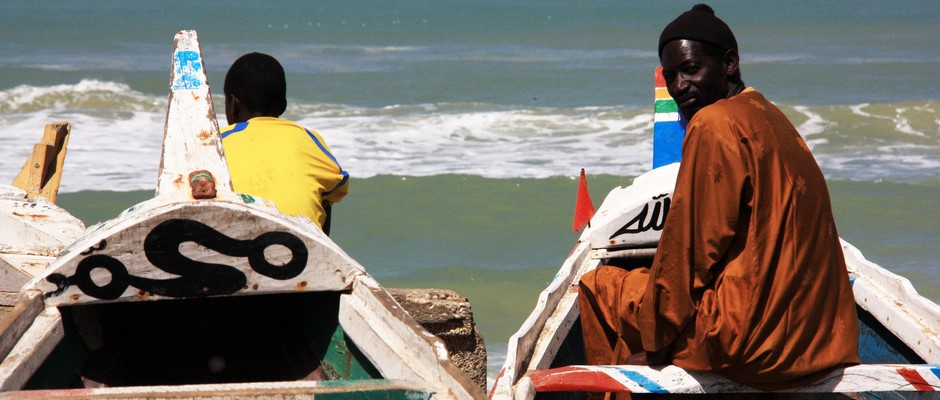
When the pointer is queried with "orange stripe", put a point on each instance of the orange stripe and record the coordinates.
(915, 379)
(660, 82)
(662, 94)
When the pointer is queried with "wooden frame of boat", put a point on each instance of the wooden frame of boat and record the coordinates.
(899, 335)
(196, 243)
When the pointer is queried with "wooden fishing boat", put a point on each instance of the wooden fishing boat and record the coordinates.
(900, 330)
(201, 292)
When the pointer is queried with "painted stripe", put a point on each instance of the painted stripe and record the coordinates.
(662, 94)
(667, 143)
(574, 379)
(915, 379)
(237, 128)
(659, 81)
(936, 371)
(640, 379)
(666, 106)
(330, 155)
(666, 117)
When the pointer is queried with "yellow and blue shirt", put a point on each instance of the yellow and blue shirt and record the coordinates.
(278, 160)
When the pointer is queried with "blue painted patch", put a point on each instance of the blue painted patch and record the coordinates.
(936, 371)
(642, 380)
(667, 143)
(187, 68)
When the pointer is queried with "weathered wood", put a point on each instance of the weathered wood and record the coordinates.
(191, 139)
(633, 217)
(448, 315)
(672, 379)
(31, 350)
(42, 171)
(34, 231)
(226, 246)
(533, 331)
(304, 390)
(15, 323)
(397, 345)
(893, 301)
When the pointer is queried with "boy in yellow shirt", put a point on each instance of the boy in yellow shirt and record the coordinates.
(274, 158)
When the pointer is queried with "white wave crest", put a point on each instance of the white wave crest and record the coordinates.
(86, 94)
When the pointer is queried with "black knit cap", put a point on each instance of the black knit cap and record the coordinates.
(699, 24)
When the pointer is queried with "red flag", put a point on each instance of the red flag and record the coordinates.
(583, 207)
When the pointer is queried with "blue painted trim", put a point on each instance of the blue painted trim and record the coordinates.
(237, 128)
(667, 143)
(187, 66)
(936, 371)
(330, 155)
(642, 380)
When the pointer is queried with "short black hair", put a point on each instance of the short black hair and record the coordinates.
(257, 80)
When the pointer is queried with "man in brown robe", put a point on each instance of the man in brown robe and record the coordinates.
(749, 280)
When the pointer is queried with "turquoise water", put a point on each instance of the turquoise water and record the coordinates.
(463, 123)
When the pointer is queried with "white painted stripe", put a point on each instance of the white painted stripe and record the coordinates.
(665, 117)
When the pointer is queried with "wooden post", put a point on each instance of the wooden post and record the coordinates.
(191, 139)
(42, 172)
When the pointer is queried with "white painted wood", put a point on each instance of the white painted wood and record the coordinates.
(892, 300)
(238, 225)
(33, 231)
(522, 344)
(301, 390)
(623, 205)
(34, 226)
(397, 345)
(672, 379)
(15, 323)
(191, 135)
(31, 350)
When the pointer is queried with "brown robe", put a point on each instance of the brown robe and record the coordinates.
(749, 279)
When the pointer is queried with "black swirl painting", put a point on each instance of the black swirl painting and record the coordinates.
(193, 278)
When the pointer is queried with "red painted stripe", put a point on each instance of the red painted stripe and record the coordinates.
(498, 378)
(574, 379)
(660, 81)
(915, 379)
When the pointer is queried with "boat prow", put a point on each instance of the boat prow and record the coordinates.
(899, 341)
(202, 291)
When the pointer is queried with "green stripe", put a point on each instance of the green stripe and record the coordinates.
(666, 106)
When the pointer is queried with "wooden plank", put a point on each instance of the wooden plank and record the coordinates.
(14, 324)
(301, 390)
(562, 318)
(672, 379)
(34, 225)
(32, 349)
(42, 171)
(894, 302)
(191, 139)
(397, 345)
(633, 217)
(197, 249)
(522, 343)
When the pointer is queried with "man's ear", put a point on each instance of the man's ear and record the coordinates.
(232, 109)
(731, 62)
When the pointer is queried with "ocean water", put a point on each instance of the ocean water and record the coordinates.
(464, 123)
